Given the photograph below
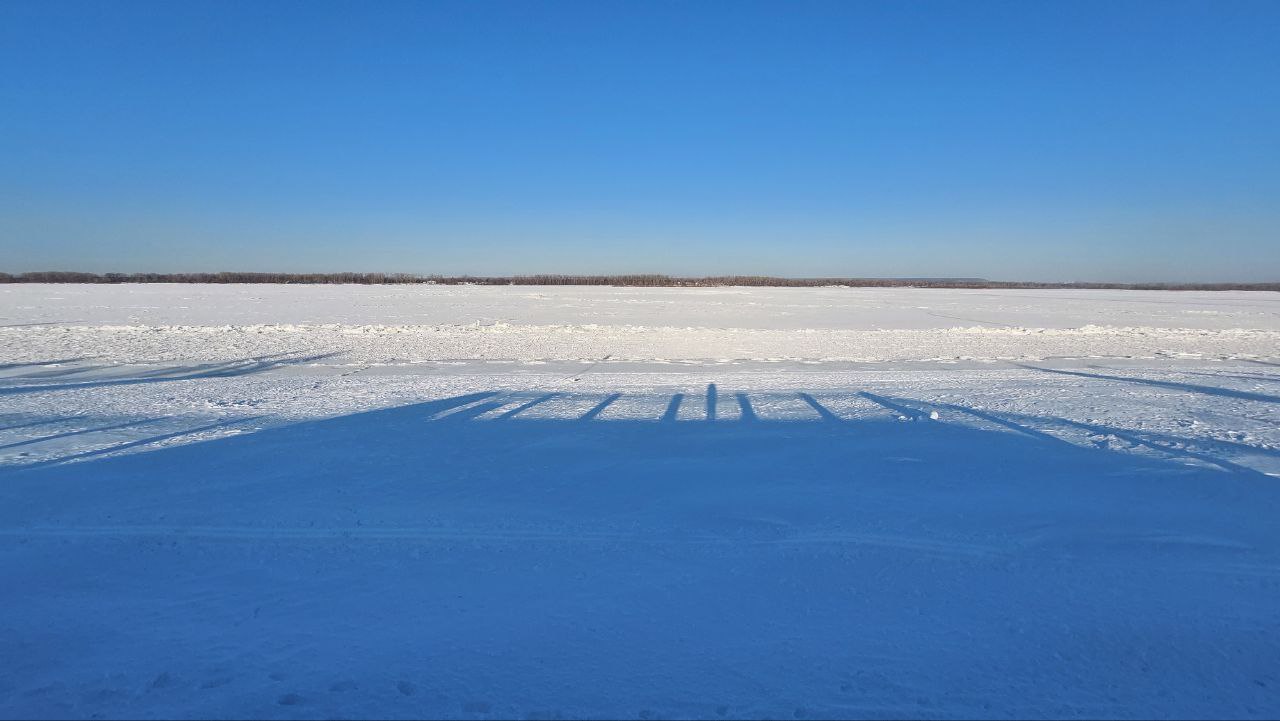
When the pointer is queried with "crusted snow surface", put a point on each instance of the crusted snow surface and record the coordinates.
(358, 344)
(422, 324)
(270, 501)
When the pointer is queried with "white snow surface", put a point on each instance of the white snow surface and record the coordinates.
(425, 324)
(480, 502)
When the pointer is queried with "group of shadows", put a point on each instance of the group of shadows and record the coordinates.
(487, 403)
(81, 372)
(913, 559)
(33, 377)
(705, 413)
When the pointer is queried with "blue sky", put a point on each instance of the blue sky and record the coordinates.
(1010, 140)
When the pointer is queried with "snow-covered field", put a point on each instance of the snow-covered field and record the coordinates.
(390, 501)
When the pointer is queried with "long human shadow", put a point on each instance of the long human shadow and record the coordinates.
(49, 322)
(140, 442)
(61, 372)
(28, 364)
(599, 408)
(813, 559)
(40, 422)
(673, 408)
(228, 369)
(216, 367)
(530, 404)
(890, 404)
(80, 432)
(818, 408)
(1168, 444)
(477, 404)
(918, 410)
(1254, 377)
(1173, 385)
(1033, 426)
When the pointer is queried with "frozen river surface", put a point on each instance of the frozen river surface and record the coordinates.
(478, 502)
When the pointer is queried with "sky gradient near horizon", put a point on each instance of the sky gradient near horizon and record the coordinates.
(1105, 141)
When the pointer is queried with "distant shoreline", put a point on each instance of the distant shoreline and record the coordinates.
(630, 281)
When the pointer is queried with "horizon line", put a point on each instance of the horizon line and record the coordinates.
(624, 280)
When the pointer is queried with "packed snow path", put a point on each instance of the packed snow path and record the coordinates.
(298, 535)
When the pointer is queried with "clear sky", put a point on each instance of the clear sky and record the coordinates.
(1009, 140)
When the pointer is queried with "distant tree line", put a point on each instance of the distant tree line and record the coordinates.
(640, 281)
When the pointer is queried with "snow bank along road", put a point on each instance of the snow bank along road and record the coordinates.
(535, 502)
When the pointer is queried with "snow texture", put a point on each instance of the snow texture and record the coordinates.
(296, 502)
